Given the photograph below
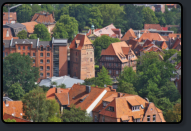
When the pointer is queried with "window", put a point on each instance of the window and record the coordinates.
(41, 61)
(137, 120)
(19, 48)
(23, 48)
(154, 118)
(41, 54)
(28, 47)
(48, 48)
(48, 74)
(135, 108)
(33, 54)
(117, 72)
(41, 48)
(48, 54)
(104, 104)
(48, 61)
(103, 118)
(91, 60)
(109, 64)
(41, 67)
(116, 64)
(41, 74)
(48, 67)
(23, 53)
(102, 64)
(95, 119)
(76, 59)
(33, 61)
(148, 118)
(29, 54)
(109, 71)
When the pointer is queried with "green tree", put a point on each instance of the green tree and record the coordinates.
(133, 16)
(42, 32)
(126, 87)
(90, 81)
(5, 9)
(33, 36)
(35, 8)
(103, 78)
(174, 29)
(37, 108)
(59, 31)
(22, 34)
(171, 52)
(75, 115)
(102, 43)
(62, 86)
(174, 115)
(24, 13)
(110, 12)
(18, 68)
(161, 18)
(149, 16)
(95, 17)
(47, 7)
(54, 83)
(70, 25)
(80, 13)
(9, 120)
(63, 11)
(15, 91)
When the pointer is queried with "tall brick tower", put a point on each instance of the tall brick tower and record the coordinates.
(82, 58)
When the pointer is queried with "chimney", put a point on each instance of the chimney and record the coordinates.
(57, 90)
(88, 89)
(119, 94)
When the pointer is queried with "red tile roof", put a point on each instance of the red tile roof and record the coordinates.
(177, 42)
(166, 38)
(81, 40)
(174, 35)
(90, 32)
(43, 18)
(51, 92)
(120, 49)
(13, 108)
(178, 66)
(78, 91)
(133, 43)
(129, 34)
(152, 26)
(165, 28)
(147, 42)
(13, 16)
(151, 37)
(8, 116)
(30, 26)
(63, 98)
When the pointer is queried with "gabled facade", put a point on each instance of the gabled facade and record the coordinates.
(128, 35)
(116, 57)
(7, 34)
(81, 58)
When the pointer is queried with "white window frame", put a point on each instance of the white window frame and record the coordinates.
(148, 116)
(154, 116)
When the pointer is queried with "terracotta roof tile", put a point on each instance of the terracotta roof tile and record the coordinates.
(30, 26)
(13, 16)
(151, 37)
(63, 98)
(165, 28)
(147, 42)
(43, 18)
(166, 38)
(50, 94)
(78, 91)
(90, 32)
(152, 26)
(177, 42)
(125, 117)
(174, 35)
(7, 35)
(133, 43)
(130, 33)
(8, 116)
(83, 39)
(13, 107)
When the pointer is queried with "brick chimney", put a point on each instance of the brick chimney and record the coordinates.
(119, 94)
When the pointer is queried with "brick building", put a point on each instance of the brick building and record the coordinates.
(82, 58)
(50, 56)
(116, 57)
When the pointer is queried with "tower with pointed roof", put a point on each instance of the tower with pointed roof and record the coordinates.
(82, 58)
(92, 29)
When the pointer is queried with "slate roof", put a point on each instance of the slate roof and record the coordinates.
(68, 81)
(16, 25)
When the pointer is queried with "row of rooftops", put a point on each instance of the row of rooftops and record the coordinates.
(35, 42)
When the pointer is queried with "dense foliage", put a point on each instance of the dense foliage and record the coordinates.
(18, 68)
(15, 91)
(24, 13)
(38, 109)
(42, 32)
(9, 120)
(75, 115)
(22, 34)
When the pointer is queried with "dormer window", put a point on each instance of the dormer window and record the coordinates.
(135, 108)
(48, 48)
(110, 108)
(41, 48)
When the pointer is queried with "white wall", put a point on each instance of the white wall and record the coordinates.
(91, 107)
